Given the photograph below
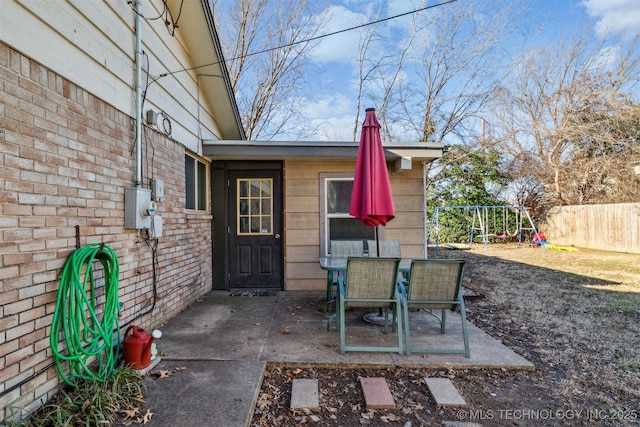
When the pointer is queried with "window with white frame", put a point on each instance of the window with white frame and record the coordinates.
(335, 221)
(196, 175)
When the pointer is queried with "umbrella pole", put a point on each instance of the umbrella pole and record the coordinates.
(378, 252)
(372, 317)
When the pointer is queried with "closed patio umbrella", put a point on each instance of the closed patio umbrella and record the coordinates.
(371, 198)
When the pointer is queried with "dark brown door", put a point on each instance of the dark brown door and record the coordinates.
(255, 229)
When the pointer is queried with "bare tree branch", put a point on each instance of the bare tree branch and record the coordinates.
(568, 121)
(267, 85)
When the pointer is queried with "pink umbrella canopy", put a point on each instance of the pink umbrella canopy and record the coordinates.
(371, 198)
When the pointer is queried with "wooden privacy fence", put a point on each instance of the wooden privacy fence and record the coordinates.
(611, 227)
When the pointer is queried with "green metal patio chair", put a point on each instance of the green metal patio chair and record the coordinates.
(388, 248)
(371, 283)
(435, 284)
(346, 248)
(341, 249)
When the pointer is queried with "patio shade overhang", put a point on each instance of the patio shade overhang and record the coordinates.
(398, 155)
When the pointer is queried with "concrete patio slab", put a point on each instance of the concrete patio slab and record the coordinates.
(203, 393)
(225, 342)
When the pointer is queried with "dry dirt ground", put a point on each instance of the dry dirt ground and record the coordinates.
(574, 315)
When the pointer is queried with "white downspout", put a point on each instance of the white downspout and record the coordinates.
(138, 86)
(424, 208)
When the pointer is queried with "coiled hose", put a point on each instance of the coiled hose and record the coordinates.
(90, 337)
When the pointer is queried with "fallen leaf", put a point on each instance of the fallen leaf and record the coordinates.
(286, 331)
(146, 418)
(416, 406)
(130, 413)
(164, 374)
(262, 404)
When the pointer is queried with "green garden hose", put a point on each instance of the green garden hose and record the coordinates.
(91, 336)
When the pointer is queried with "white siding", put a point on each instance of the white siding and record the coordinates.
(91, 43)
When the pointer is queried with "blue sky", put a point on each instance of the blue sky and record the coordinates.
(332, 106)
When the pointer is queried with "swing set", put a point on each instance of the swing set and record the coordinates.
(486, 222)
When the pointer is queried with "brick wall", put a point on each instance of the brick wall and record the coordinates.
(65, 159)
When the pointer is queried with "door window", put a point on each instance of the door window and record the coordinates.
(255, 206)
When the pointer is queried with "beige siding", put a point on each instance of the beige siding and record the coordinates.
(302, 218)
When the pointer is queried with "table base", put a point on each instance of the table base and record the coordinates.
(375, 318)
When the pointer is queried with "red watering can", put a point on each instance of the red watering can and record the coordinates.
(136, 348)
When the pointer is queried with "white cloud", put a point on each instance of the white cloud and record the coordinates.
(398, 7)
(607, 59)
(328, 105)
(332, 116)
(614, 15)
(341, 47)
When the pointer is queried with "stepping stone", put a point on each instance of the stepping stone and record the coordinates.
(376, 393)
(444, 392)
(459, 424)
(304, 394)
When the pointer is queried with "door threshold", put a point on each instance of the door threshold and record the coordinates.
(253, 292)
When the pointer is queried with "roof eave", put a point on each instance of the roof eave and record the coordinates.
(282, 150)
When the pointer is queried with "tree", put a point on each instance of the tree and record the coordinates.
(473, 177)
(266, 45)
(567, 122)
(434, 82)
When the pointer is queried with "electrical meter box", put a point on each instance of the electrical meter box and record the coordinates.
(157, 189)
(156, 227)
(138, 208)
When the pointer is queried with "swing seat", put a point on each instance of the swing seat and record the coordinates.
(460, 246)
(560, 248)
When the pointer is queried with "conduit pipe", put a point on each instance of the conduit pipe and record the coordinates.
(138, 85)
